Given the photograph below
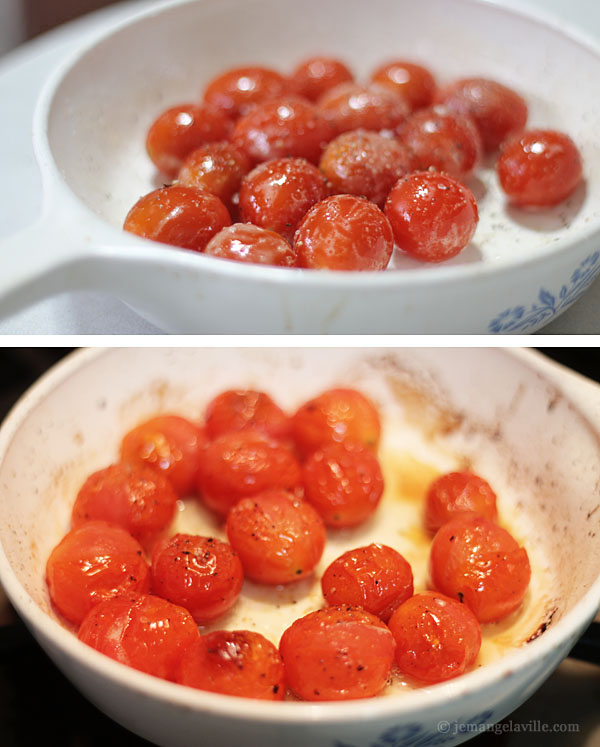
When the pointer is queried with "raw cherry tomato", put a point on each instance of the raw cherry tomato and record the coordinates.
(278, 537)
(181, 129)
(170, 444)
(277, 194)
(437, 638)
(142, 631)
(539, 168)
(182, 216)
(414, 83)
(479, 563)
(376, 578)
(433, 216)
(234, 662)
(241, 464)
(497, 111)
(244, 242)
(334, 416)
(314, 77)
(281, 128)
(91, 563)
(243, 409)
(135, 497)
(237, 91)
(350, 106)
(344, 232)
(364, 163)
(202, 574)
(343, 481)
(337, 653)
(458, 492)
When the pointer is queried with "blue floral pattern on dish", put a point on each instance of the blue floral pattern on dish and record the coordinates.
(548, 305)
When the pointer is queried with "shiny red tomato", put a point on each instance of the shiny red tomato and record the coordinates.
(244, 242)
(243, 409)
(142, 631)
(93, 562)
(479, 563)
(376, 578)
(278, 537)
(337, 653)
(351, 106)
(202, 574)
(458, 492)
(236, 91)
(317, 75)
(414, 83)
(234, 662)
(437, 638)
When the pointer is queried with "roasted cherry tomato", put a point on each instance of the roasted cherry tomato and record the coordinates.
(437, 638)
(238, 90)
(142, 631)
(414, 83)
(479, 563)
(376, 578)
(278, 537)
(337, 653)
(539, 168)
(343, 481)
(243, 409)
(458, 492)
(317, 75)
(244, 242)
(433, 216)
(351, 106)
(135, 497)
(202, 574)
(93, 562)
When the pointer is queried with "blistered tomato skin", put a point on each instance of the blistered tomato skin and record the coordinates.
(236, 91)
(216, 167)
(376, 578)
(539, 168)
(244, 242)
(234, 662)
(351, 106)
(142, 631)
(243, 409)
(91, 563)
(344, 232)
(414, 83)
(337, 653)
(437, 638)
(433, 216)
(480, 564)
(202, 574)
(458, 492)
(278, 537)
(317, 75)
(181, 216)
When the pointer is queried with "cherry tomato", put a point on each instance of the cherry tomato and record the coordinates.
(497, 110)
(181, 129)
(202, 574)
(277, 194)
(344, 232)
(182, 216)
(337, 653)
(350, 106)
(437, 638)
(243, 409)
(135, 497)
(282, 128)
(317, 75)
(241, 464)
(278, 537)
(458, 492)
(376, 578)
(238, 90)
(93, 562)
(234, 662)
(364, 163)
(343, 481)
(142, 631)
(539, 168)
(244, 242)
(433, 216)
(414, 83)
(335, 416)
(479, 563)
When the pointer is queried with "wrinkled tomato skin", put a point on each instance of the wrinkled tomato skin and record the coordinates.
(458, 492)
(376, 578)
(180, 216)
(351, 106)
(93, 562)
(337, 653)
(243, 409)
(278, 537)
(202, 574)
(234, 662)
(317, 75)
(237, 91)
(344, 483)
(141, 631)
(244, 242)
(217, 168)
(344, 232)
(479, 563)
(414, 83)
(437, 638)
(539, 168)
(433, 216)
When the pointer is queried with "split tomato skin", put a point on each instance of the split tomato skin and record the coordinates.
(414, 83)
(245, 242)
(235, 92)
(458, 492)
(245, 409)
